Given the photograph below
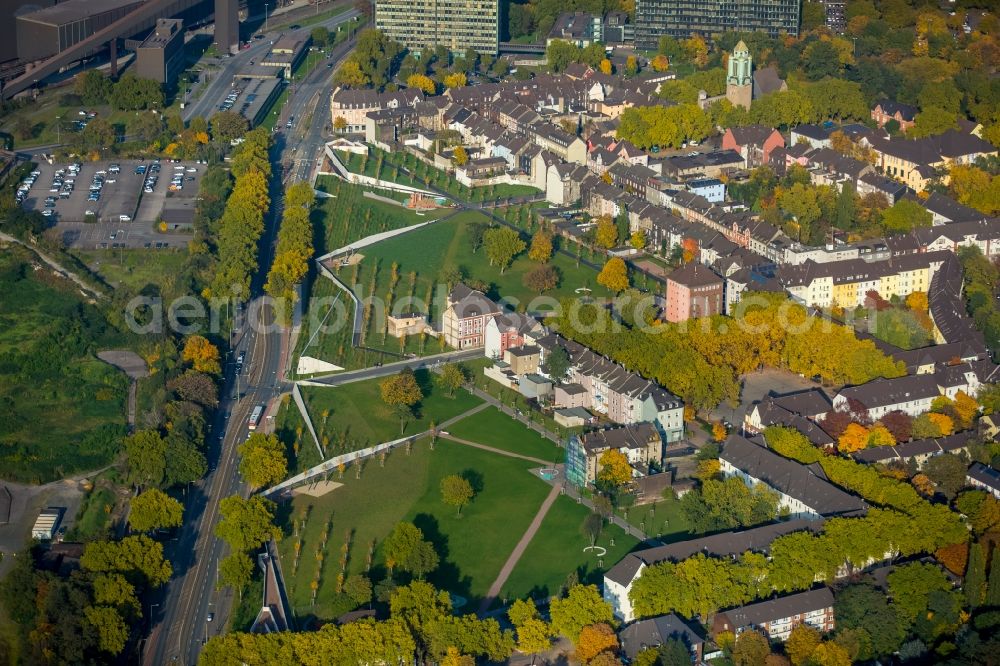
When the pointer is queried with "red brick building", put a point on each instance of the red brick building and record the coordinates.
(693, 290)
(754, 143)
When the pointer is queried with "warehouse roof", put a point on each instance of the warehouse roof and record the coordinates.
(76, 10)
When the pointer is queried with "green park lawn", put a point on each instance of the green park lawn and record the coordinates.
(494, 428)
(357, 418)
(557, 550)
(472, 548)
(663, 520)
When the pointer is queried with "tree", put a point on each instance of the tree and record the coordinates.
(406, 548)
(660, 63)
(820, 59)
(320, 36)
(830, 653)
(401, 392)
(933, 120)
(476, 233)
(879, 435)
(533, 636)
(93, 87)
(614, 469)
(541, 278)
(236, 570)
(456, 491)
(154, 509)
(899, 424)
(911, 585)
(947, 471)
(855, 438)
(262, 460)
(359, 589)
(459, 156)
(111, 628)
(631, 66)
(452, 377)
(246, 524)
(541, 247)
(423, 82)
(638, 240)
(606, 233)
(351, 76)
(132, 93)
(557, 363)
(750, 648)
(801, 644)
(582, 606)
(614, 275)
(863, 608)
(502, 245)
(228, 125)
(595, 639)
(196, 387)
(456, 80)
(974, 585)
(993, 585)
(136, 555)
(202, 355)
(146, 453)
(905, 215)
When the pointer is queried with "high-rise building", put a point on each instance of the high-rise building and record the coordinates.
(681, 18)
(836, 15)
(455, 24)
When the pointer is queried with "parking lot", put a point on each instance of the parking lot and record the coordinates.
(115, 204)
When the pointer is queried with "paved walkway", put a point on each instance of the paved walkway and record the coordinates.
(491, 449)
(522, 545)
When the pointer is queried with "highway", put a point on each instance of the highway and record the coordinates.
(179, 613)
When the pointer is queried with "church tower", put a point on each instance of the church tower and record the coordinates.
(739, 78)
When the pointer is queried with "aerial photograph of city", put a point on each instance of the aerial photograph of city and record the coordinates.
(526, 332)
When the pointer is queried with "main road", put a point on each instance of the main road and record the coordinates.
(179, 614)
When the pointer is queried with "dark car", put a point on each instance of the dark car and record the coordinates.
(294, 26)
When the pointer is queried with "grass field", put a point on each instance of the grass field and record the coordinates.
(472, 547)
(355, 416)
(494, 428)
(134, 269)
(61, 410)
(405, 169)
(664, 520)
(557, 550)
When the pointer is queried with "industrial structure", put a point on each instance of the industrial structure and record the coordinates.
(455, 24)
(47, 523)
(682, 18)
(160, 56)
(227, 26)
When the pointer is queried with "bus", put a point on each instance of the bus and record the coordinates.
(258, 411)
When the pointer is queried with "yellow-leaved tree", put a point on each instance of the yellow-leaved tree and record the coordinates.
(614, 275)
(202, 355)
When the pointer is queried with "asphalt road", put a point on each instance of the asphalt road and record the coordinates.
(179, 613)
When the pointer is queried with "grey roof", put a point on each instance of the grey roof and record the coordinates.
(694, 274)
(766, 80)
(656, 631)
(886, 392)
(984, 474)
(470, 302)
(751, 134)
(906, 112)
(804, 403)
(726, 544)
(914, 448)
(631, 436)
(755, 615)
(789, 477)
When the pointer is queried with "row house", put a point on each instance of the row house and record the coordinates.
(568, 147)
(632, 178)
(945, 210)
(754, 143)
(801, 492)
(353, 106)
(952, 323)
(710, 165)
(620, 395)
(508, 330)
(910, 394)
(916, 162)
(563, 182)
(512, 115)
(655, 631)
(875, 183)
(618, 580)
(777, 617)
(917, 451)
(983, 234)
(985, 478)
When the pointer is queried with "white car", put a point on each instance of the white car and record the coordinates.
(124, 218)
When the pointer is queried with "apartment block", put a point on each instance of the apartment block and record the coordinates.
(455, 24)
(681, 18)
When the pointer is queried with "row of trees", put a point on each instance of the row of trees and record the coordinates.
(422, 627)
(129, 93)
(295, 247)
(242, 223)
(701, 361)
(982, 278)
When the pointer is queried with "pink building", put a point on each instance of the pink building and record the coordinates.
(754, 143)
(693, 290)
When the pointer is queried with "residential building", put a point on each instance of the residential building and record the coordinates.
(655, 631)
(522, 359)
(813, 135)
(681, 18)
(985, 478)
(408, 323)
(911, 394)
(506, 330)
(812, 404)
(619, 579)
(754, 143)
(578, 28)
(455, 24)
(465, 317)
(918, 162)
(887, 110)
(713, 189)
(918, 451)
(801, 492)
(160, 57)
(693, 290)
(777, 617)
(355, 105)
(836, 15)
(639, 442)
